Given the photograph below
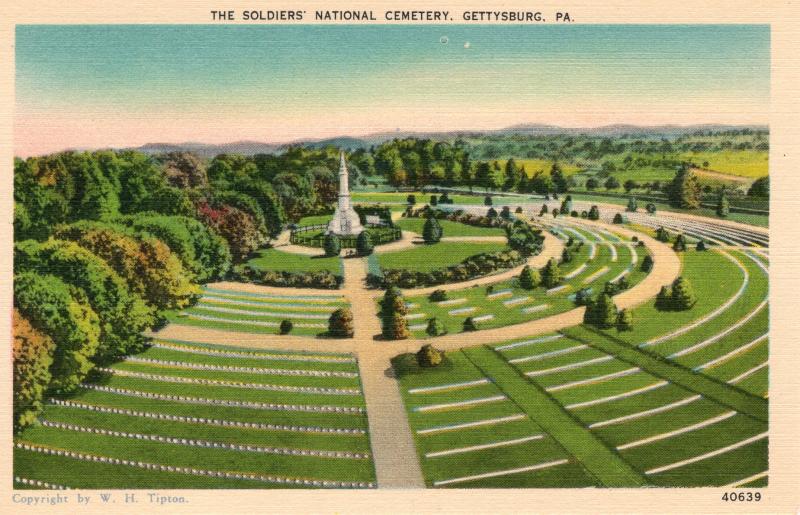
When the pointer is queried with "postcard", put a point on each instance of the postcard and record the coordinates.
(399, 258)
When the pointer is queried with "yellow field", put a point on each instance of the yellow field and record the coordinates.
(743, 163)
(534, 165)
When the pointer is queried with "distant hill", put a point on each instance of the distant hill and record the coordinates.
(353, 143)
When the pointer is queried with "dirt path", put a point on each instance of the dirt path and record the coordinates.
(393, 450)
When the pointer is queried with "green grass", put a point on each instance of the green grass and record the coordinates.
(425, 258)
(98, 475)
(598, 459)
(742, 163)
(314, 220)
(457, 368)
(449, 228)
(278, 261)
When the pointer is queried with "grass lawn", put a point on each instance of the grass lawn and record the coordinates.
(743, 163)
(450, 228)
(188, 421)
(314, 220)
(425, 258)
(601, 461)
(276, 260)
(529, 444)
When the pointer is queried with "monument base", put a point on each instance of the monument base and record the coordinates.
(345, 223)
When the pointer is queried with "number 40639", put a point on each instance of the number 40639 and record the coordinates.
(741, 496)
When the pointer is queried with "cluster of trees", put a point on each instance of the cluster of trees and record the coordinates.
(108, 240)
(320, 279)
(679, 296)
(602, 312)
(340, 323)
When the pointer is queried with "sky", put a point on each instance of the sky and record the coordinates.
(95, 86)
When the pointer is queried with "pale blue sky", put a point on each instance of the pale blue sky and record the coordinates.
(278, 83)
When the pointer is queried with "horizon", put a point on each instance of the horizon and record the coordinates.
(91, 87)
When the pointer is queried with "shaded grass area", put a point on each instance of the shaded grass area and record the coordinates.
(449, 228)
(425, 258)
(276, 260)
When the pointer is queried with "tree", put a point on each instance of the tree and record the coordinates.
(411, 199)
(529, 278)
(566, 256)
(33, 354)
(683, 296)
(723, 207)
(759, 188)
(664, 299)
(491, 213)
(551, 274)
(332, 245)
(434, 200)
(618, 219)
(428, 356)
(364, 244)
(53, 308)
(592, 184)
(651, 208)
(438, 296)
(431, 231)
(630, 185)
(560, 184)
(340, 323)
(566, 205)
(505, 213)
(602, 312)
(594, 213)
(612, 183)
(662, 235)
(286, 326)
(487, 200)
(544, 210)
(393, 310)
(632, 205)
(647, 263)
(469, 325)
(684, 190)
(701, 246)
(625, 320)
(435, 327)
(583, 297)
(680, 243)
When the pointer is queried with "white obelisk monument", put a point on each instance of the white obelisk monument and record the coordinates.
(345, 220)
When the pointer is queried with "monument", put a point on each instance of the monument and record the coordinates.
(345, 220)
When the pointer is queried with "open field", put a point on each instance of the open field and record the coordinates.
(751, 164)
(187, 415)
(430, 257)
(240, 311)
(449, 228)
(279, 261)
